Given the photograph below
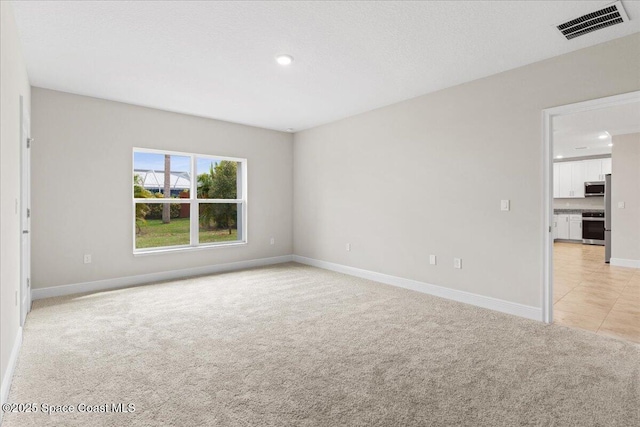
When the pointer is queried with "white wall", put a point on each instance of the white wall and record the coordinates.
(82, 173)
(13, 84)
(426, 176)
(625, 184)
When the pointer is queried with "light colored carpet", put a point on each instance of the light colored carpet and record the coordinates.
(295, 345)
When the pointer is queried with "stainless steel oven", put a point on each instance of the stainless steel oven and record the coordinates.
(593, 228)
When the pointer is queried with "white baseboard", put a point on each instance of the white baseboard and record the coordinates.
(11, 366)
(123, 282)
(503, 306)
(621, 262)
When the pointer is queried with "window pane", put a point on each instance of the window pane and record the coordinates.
(153, 232)
(217, 179)
(150, 170)
(220, 222)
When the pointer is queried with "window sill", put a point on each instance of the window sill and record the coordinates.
(186, 249)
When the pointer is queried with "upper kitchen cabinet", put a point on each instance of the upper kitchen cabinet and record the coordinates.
(570, 178)
(596, 169)
(593, 170)
(556, 181)
(606, 167)
(577, 179)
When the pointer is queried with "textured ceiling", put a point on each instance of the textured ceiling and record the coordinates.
(216, 59)
(574, 131)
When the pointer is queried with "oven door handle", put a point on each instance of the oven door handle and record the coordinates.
(593, 219)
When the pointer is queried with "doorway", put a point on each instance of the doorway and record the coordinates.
(574, 253)
(25, 212)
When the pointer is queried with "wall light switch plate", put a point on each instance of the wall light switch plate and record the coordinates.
(273, 241)
(432, 259)
(620, 205)
(457, 263)
(87, 258)
(505, 205)
(348, 247)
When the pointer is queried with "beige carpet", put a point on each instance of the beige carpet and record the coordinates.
(295, 345)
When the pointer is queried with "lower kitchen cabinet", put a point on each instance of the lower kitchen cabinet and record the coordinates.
(567, 227)
(562, 226)
(575, 227)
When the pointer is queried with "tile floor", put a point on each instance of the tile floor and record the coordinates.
(592, 295)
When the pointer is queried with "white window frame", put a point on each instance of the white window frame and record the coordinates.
(194, 202)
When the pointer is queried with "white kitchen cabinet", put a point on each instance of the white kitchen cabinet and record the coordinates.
(606, 167)
(593, 170)
(577, 179)
(562, 226)
(575, 227)
(567, 227)
(596, 169)
(556, 181)
(564, 179)
(570, 179)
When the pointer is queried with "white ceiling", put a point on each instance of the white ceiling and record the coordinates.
(216, 59)
(576, 135)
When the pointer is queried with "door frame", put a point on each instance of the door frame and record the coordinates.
(548, 115)
(25, 220)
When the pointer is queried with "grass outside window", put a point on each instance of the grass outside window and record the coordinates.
(153, 233)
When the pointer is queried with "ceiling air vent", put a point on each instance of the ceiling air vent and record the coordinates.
(610, 15)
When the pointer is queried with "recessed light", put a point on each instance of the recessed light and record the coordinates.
(289, 129)
(284, 59)
(559, 157)
(610, 144)
(604, 136)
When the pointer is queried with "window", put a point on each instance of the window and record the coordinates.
(183, 201)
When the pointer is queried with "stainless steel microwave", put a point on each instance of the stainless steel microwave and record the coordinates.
(594, 189)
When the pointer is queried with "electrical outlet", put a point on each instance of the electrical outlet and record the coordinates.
(348, 247)
(87, 258)
(273, 241)
(432, 259)
(457, 263)
(620, 205)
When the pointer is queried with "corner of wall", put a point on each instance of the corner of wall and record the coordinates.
(14, 84)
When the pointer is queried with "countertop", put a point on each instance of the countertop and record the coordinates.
(575, 211)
